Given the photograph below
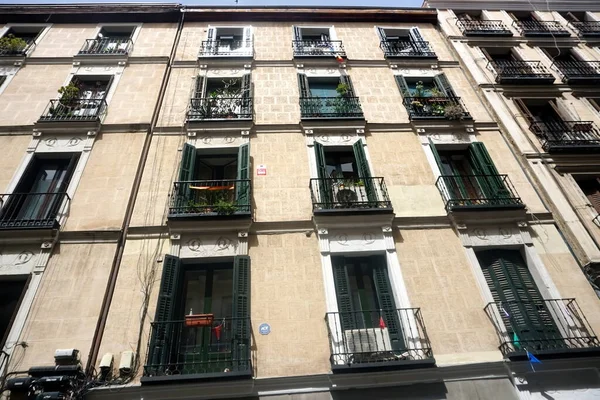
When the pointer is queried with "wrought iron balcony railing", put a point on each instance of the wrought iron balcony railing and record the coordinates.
(587, 28)
(232, 108)
(210, 198)
(567, 136)
(378, 338)
(578, 72)
(407, 49)
(106, 46)
(483, 28)
(541, 327)
(59, 110)
(435, 108)
(461, 192)
(330, 107)
(521, 72)
(318, 48)
(32, 210)
(349, 195)
(208, 346)
(541, 28)
(226, 48)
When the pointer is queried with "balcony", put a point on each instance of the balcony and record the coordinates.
(450, 108)
(220, 108)
(340, 195)
(546, 328)
(32, 210)
(76, 110)
(541, 28)
(567, 136)
(226, 48)
(210, 198)
(318, 48)
(578, 72)
(478, 192)
(106, 47)
(378, 339)
(513, 72)
(406, 49)
(483, 28)
(341, 107)
(11, 46)
(587, 29)
(179, 350)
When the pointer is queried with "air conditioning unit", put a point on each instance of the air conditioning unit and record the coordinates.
(370, 341)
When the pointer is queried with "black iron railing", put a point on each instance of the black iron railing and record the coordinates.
(407, 48)
(106, 46)
(541, 28)
(210, 198)
(567, 136)
(483, 28)
(349, 194)
(450, 108)
(17, 47)
(587, 28)
(220, 346)
(478, 192)
(376, 338)
(318, 48)
(74, 110)
(32, 210)
(330, 107)
(235, 108)
(526, 72)
(226, 48)
(541, 327)
(574, 72)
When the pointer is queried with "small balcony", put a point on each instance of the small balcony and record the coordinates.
(449, 108)
(106, 47)
(201, 349)
(406, 49)
(341, 107)
(220, 108)
(378, 339)
(478, 192)
(343, 195)
(513, 72)
(567, 136)
(210, 198)
(226, 48)
(483, 28)
(578, 72)
(318, 48)
(75, 110)
(541, 28)
(32, 210)
(546, 328)
(587, 29)
(12, 46)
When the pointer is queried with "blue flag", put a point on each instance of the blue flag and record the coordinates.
(533, 359)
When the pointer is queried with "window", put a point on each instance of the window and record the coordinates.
(314, 34)
(228, 41)
(110, 40)
(317, 41)
(222, 98)
(595, 102)
(328, 97)
(18, 39)
(590, 186)
(11, 292)
(397, 42)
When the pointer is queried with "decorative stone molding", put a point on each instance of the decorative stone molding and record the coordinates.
(388, 238)
(323, 235)
(175, 239)
(342, 241)
(210, 246)
(502, 235)
(242, 243)
(245, 133)
(18, 261)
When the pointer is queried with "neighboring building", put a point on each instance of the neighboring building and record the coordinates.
(273, 203)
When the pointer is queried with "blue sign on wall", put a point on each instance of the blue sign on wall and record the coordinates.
(264, 329)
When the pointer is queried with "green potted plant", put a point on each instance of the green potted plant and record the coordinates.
(343, 90)
(68, 101)
(225, 207)
(454, 111)
(10, 44)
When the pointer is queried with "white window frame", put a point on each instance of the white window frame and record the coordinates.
(332, 34)
(9, 73)
(247, 51)
(40, 36)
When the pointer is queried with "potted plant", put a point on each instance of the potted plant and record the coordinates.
(225, 207)
(453, 111)
(343, 90)
(68, 101)
(10, 44)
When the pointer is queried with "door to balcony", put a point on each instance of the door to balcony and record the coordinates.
(221, 99)
(328, 97)
(11, 292)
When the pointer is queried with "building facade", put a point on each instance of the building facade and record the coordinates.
(276, 203)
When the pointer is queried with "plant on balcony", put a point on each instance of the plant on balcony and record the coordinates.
(224, 207)
(68, 101)
(198, 207)
(343, 90)
(11, 44)
(225, 101)
(454, 111)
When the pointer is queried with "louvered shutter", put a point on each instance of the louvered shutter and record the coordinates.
(241, 314)
(297, 33)
(248, 40)
(324, 186)
(444, 85)
(418, 42)
(303, 85)
(403, 86)
(211, 44)
(381, 33)
(246, 106)
(345, 79)
(308, 106)
(387, 305)
(182, 193)
(341, 281)
(364, 171)
(243, 175)
(489, 180)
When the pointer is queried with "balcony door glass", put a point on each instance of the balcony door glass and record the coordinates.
(10, 294)
(460, 182)
(113, 39)
(92, 93)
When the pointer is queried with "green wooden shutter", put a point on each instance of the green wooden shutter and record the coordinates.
(324, 186)
(346, 309)
(387, 305)
(241, 314)
(363, 170)
(444, 85)
(491, 183)
(242, 187)
(182, 192)
(403, 86)
(303, 85)
(246, 106)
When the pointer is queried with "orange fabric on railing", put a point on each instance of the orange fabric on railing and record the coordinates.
(212, 187)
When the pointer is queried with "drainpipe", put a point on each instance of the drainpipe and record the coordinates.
(114, 272)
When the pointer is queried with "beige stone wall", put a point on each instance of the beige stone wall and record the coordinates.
(440, 281)
(64, 40)
(360, 41)
(273, 41)
(378, 94)
(177, 97)
(67, 304)
(30, 91)
(154, 40)
(463, 89)
(288, 293)
(101, 198)
(190, 40)
(283, 194)
(276, 95)
(136, 94)
(408, 175)
(13, 151)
